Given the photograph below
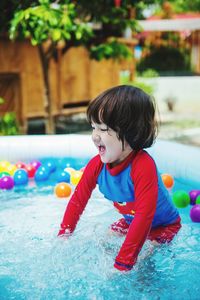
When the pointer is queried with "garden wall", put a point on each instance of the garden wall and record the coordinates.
(185, 90)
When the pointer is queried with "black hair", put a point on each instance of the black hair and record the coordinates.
(127, 110)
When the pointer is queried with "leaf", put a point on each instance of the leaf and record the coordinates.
(66, 35)
(34, 42)
(1, 100)
(78, 35)
(56, 35)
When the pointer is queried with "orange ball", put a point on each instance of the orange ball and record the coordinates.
(63, 190)
(167, 180)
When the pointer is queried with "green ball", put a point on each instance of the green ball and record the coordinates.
(2, 174)
(181, 199)
(197, 200)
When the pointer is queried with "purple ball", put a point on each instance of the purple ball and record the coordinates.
(6, 183)
(36, 164)
(193, 195)
(195, 213)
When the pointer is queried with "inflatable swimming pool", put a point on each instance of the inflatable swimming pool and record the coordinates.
(35, 264)
(180, 160)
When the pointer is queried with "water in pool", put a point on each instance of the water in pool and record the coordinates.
(36, 264)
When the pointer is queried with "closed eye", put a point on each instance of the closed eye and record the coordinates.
(101, 129)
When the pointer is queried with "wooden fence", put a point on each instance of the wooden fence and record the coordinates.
(74, 79)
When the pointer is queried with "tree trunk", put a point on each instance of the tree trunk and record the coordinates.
(50, 126)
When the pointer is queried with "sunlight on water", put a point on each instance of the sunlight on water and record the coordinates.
(36, 264)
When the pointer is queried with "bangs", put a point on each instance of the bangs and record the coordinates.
(99, 110)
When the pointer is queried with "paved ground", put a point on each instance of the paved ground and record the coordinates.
(183, 128)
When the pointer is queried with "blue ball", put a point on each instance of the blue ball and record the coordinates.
(42, 174)
(20, 177)
(64, 162)
(50, 164)
(62, 176)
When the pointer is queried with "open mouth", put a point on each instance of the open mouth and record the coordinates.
(102, 149)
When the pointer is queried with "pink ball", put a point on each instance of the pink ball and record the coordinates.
(6, 183)
(195, 213)
(193, 195)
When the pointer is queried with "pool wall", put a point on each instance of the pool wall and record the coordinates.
(180, 160)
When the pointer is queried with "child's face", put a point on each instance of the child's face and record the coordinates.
(108, 144)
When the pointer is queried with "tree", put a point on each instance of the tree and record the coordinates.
(65, 24)
(51, 25)
(47, 25)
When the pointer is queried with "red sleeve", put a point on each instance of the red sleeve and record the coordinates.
(81, 195)
(144, 176)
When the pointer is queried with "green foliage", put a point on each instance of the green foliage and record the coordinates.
(186, 5)
(1, 100)
(72, 23)
(49, 21)
(148, 88)
(110, 50)
(8, 124)
(149, 73)
(165, 59)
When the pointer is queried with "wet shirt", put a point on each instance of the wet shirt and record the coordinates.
(137, 192)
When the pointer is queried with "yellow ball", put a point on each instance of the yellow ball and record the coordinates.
(75, 177)
(63, 190)
(11, 169)
(69, 170)
(3, 165)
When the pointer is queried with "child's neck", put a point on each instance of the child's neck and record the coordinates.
(126, 153)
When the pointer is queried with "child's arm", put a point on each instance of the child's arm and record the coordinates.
(145, 180)
(80, 196)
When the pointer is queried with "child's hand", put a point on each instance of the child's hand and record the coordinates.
(64, 233)
(121, 267)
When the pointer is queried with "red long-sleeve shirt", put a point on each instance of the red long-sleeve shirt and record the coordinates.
(144, 178)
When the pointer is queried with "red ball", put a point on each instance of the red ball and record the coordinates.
(30, 170)
(20, 165)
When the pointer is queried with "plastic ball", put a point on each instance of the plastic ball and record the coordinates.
(198, 200)
(64, 163)
(195, 213)
(167, 180)
(20, 177)
(42, 174)
(20, 165)
(11, 169)
(50, 165)
(193, 195)
(2, 174)
(30, 169)
(69, 170)
(62, 176)
(181, 199)
(63, 190)
(36, 164)
(75, 177)
(3, 165)
(6, 183)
